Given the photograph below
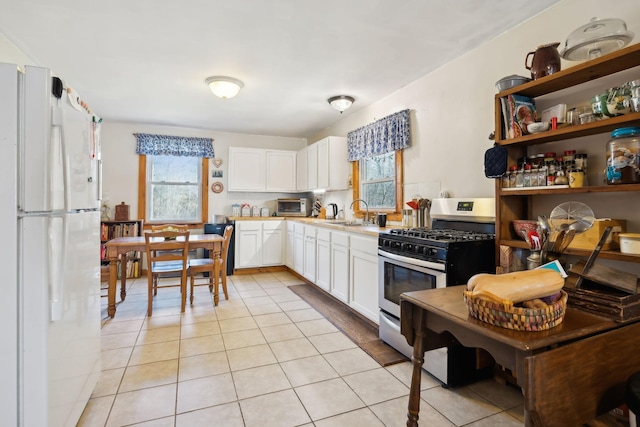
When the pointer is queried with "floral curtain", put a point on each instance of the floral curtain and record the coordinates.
(382, 136)
(167, 145)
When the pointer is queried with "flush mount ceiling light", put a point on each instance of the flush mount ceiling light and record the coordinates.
(341, 102)
(224, 87)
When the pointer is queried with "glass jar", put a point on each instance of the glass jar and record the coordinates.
(581, 162)
(505, 179)
(519, 178)
(513, 170)
(542, 176)
(527, 176)
(576, 177)
(623, 156)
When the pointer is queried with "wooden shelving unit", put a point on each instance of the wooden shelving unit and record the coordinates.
(112, 229)
(516, 204)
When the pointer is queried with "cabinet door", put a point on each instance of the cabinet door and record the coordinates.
(312, 167)
(333, 166)
(323, 163)
(340, 266)
(302, 181)
(363, 265)
(272, 243)
(298, 252)
(246, 169)
(323, 260)
(281, 170)
(289, 249)
(310, 253)
(248, 244)
(338, 164)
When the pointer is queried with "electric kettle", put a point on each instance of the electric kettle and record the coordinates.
(334, 210)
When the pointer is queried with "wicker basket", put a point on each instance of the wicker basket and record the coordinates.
(517, 318)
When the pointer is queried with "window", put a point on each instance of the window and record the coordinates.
(378, 181)
(173, 189)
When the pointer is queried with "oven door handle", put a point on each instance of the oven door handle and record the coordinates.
(413, 261)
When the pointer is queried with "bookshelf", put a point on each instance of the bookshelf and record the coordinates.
(112, 229)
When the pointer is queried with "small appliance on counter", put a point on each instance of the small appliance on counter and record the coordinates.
(293, 207)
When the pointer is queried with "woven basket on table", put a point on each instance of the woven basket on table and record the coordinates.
(517, 318)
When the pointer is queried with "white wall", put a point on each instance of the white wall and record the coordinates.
(452, 108)
(452, 115)
(120, 163)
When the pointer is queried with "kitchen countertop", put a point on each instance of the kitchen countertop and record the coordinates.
(369, 230)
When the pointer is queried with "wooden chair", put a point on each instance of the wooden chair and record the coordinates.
(167, 252)
(169, 227)
(207, 265)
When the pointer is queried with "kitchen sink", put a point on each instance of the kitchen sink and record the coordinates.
(345, 223)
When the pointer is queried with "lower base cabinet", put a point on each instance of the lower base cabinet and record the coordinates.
(340, 266)
(259, 243)
(323, 259)
(363, 267)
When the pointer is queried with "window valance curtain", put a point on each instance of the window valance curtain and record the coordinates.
(168, 145)
(382, 136)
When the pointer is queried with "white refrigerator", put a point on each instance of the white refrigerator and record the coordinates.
(50, 216)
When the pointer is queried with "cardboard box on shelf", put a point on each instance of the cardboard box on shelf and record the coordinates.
(590, 238)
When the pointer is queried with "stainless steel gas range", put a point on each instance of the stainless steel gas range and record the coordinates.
(459, 244)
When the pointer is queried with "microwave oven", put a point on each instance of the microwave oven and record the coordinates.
(293, 207)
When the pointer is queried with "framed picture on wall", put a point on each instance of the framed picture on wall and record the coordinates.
(216, 174)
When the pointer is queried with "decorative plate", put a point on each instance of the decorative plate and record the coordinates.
(217, 162)
(217, 187)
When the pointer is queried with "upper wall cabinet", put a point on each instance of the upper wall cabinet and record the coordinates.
(255, 169)
(302, 179)
(328, 167)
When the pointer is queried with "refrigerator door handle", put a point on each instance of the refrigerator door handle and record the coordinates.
(57, 123)
(56, 261)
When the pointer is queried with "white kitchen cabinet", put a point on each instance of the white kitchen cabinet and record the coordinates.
(302, 180)
(298, 249)
(260, 170)
(289, 249)
(248, 244)
(309, 257)
(363, 268)
(247, 169)
(323, 259)
(280, 170)
(340, 266)
(259, 243)
(312, 167)
(333, 166)
(272, 243)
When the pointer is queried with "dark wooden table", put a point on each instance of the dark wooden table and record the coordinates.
(120, 246)
(569, 374)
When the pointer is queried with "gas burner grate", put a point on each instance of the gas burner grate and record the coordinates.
(441, 234)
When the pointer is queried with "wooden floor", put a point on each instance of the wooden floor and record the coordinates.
(360, 330)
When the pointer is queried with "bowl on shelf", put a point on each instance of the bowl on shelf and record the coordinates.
(537, 127)
(511, 81)
(524, 225)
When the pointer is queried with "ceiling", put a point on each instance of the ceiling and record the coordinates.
(146, 60)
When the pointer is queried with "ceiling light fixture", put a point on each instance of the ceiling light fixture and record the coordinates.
(341, 102)
(224, 87)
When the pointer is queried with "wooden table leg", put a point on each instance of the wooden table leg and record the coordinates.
(216, 253)
(123, 277)
(111, 292)
(417, 358)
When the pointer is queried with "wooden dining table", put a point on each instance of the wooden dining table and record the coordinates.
(569, 374)
(118, 248)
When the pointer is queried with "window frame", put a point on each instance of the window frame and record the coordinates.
(392, 214)
(142, 193)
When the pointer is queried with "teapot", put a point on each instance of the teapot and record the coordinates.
(546, 60)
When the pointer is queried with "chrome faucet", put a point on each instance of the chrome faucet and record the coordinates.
(366, 218)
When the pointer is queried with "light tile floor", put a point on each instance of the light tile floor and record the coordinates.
(262, 358)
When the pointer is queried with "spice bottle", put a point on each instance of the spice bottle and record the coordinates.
(527, 176)
(513, 170)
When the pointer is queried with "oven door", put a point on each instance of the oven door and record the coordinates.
(398, 274)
